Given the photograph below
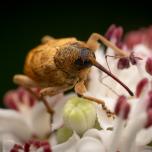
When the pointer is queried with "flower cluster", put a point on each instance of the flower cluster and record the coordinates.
(32, 146)
(80, 125)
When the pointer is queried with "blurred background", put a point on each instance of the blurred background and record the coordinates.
(23, 24)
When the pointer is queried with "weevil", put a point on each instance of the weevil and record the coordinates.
(58, 65)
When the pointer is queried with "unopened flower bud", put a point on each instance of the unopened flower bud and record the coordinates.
(149, 118)
(148, 65)
(63, 134)
(114, 32)
(133, 38)
(122, 107)
(149, 99)
(123, 63)
(133, 59)
(140, 86)
(118, 32)
(79, 114)
(110, 31)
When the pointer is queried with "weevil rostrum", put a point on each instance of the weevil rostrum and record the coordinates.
(58, 65)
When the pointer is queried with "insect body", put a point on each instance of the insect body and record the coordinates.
(60, 64)
(55, 65)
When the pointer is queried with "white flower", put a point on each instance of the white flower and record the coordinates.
(28, 118)
(129, 131)
(91, 141)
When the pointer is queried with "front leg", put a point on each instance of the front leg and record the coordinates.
(28, 83)
(80, 89)
(24, 81)
(51, 91)
(93, 39)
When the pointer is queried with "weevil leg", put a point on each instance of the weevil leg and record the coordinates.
(80, 89)
(93, 39)
(28, 83)
(52, 91)
(24, 81)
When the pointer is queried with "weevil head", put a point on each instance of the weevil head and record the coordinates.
(74, 57)
(71, 58)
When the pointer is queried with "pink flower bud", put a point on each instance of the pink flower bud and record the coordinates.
(149, 106)
(9, 100)
(148, 38)
(133, 38)
(39, 144)
(122, 107)
(21, 93)
(140, 86)
(133, 59)
(123, 63)
(110, 31)
(117, 33)
(44, 145)
(148, 65)
(13, 99)
(149, 118)
(26, 147)
(16, 148)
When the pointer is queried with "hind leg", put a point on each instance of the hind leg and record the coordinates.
(92, 43)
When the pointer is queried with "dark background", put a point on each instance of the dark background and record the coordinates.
(23, 24)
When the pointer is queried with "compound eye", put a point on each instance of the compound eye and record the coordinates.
(82, 63)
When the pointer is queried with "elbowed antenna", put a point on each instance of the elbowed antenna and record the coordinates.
(99, 66)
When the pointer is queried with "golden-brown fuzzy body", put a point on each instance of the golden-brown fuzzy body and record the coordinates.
(51, 64)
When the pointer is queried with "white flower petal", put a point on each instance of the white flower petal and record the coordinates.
(142, 51)
(146, 149)
(89, 144)
(144, 137)
(53, 139)
(143, 149)
(13, 122)
(68, 146)
(94, 133)
(40, 150)
(40, 120)
(102, 135)
(105, 121)
(106, 138)
(53, 100)
(7, 145)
